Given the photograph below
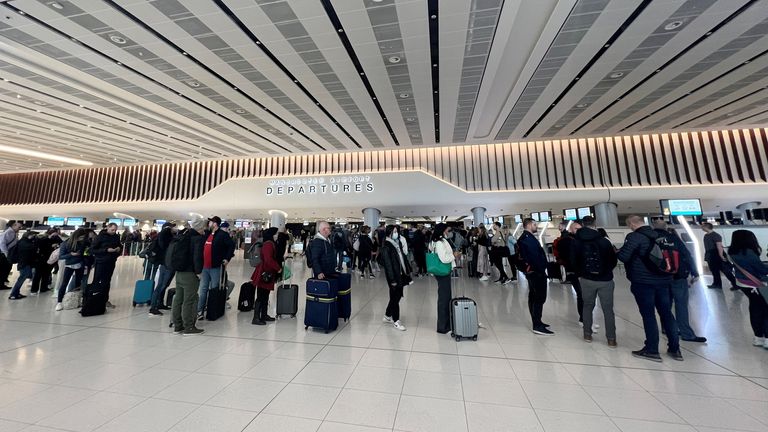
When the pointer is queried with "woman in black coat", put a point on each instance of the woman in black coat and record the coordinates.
(364, 252)
(393, 262)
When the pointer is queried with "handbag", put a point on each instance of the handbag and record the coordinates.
(267, 277)
(762, 286)
(437, 267)
(72, 300)
(287, 273)
(54, 258)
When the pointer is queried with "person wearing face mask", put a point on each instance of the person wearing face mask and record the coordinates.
(393, 261)
(445, 253)
(264, 277)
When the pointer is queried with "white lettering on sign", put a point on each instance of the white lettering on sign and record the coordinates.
(320, 185)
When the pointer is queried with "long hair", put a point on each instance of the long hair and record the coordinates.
(439, 232)
(76, 236)
(742, 241)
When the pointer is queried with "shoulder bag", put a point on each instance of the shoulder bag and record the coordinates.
(761, 287)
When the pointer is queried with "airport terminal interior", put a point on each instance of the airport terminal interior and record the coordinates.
(384, 215)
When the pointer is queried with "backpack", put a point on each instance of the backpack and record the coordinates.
(177, 256)
(520, 263)
(308, 254)
(662, 257)
(555, 249)
(593, 263)
(254, 254)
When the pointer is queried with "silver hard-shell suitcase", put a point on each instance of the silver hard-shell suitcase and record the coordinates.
(464, 324)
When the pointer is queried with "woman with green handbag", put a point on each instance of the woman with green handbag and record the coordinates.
(440, 262)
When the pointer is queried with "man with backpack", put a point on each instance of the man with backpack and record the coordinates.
(651, 260)
(157, 250)
(562, 248)
(679, 291)
(185, 257)
(533, 262)
(594, 259)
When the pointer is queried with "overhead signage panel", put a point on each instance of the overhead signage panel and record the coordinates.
(320, 186)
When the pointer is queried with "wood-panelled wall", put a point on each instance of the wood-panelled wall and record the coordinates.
(700, 158)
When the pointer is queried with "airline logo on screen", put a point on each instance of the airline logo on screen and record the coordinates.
(320, 185)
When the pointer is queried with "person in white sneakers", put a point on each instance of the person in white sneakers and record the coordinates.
(750, 272)
(393, 262)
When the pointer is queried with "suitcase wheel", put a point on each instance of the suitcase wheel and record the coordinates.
(306, 327)
(134, 304)
(458, 338)
(474, 338)
(293, 315)
(149, 303)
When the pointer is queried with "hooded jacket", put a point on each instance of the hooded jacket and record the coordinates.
(608, 259)
(101, 243)
(632, 254)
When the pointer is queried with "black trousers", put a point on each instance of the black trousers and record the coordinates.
(716, 265)
(5, 269)
(393, 307)
(758, 312)
(443, 303)
(498, 261)
(537, 296)
(262, 303)
(574, 280)
(42, 277)
(511, 260)
(420, 256)
(102, 275)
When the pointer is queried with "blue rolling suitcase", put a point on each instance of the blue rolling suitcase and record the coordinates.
(142, 291)
(321, 306)
(345, 295)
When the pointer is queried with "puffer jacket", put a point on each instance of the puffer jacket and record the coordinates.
(632, 254)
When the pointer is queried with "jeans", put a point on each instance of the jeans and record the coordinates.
(163, 280)
(758, 312)
(42, 277)
(537, 296)
(656, 296)
(339, 259)
(5, 269)
(209, 279)
(443, 303)
(590, 291)
(393, 307)
(102, 276)
(183, 309)
(66, 276)
(365, 264)
(574, 280)
(716, 265)
(679, 296)
(24, 274)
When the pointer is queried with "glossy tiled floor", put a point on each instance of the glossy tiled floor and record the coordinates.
(125, 371)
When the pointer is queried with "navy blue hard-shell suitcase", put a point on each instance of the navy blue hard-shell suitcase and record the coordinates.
(323, 287)
(321, 309)
(344, 295)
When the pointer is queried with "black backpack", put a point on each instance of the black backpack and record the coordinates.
(663, 256)
(593, 262)
(177, 256)
(308, 254)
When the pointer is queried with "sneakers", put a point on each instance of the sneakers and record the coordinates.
(508, 281)
(155, 312)
(371, 277)
(33, 294)
(698, 339)
(163, 307)
(59, 307)
(177, 330)
(388, 319)
(713, 286)
(110, 305)
(201, 317)
(194, 331)
(484, 278)
(676, 355)
(588, 338)
(759, 341)
(399, 326)
(543, 331)
(612, 343)
(17, 297)
(643, 354)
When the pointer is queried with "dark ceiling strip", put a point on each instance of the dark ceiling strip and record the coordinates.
(94, 50)
(244, 28)
(591, 62)
(722, 106)
(680, 54)
(434, 55)
(748, 117)
(664, 66)
(202, 65)
(336, 22)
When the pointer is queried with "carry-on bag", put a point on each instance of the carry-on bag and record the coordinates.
(142, 292)
(247, 297)
(554, 271)
(323, 287)
(321, 312)
(464, 323)
(217, 298)
(287, 300)
(94, 301)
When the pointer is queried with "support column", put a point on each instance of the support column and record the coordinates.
(607, 215)
(277, 219)
(371, 217)
(478, 215)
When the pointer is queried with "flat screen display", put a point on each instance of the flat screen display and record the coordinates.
(129, 222)
(570, 214)
(75, 221)
(117, 221)
(681, 207)
(160, 222)
(238, 224)
(583, 212)
(518, 218)
(545, 216)
(535, 216)
(54, 221)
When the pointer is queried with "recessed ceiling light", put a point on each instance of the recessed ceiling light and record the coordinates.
(582, 105)
(193, 84)
(41, 155)
(117, 39)
(558, 126)
(616, 75)
(18, 96)
(673, 25)
(240, 111)
(404, 95)
(410, 119)
(41, 103)
(394, 59)
(56, 5)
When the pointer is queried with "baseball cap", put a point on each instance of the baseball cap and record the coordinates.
(168, 224)
(224, 225)
(215, 219)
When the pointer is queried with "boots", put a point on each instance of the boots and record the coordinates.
(264, 316)
(257, 317)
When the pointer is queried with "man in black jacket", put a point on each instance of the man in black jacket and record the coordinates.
(565, 256)
(188, 270)
(46, 244)
(651, 289)
(105, 249)
(164, 274)
(594, 259)
(536, 274)
(218, 249)
(27, 256)
(322, 255)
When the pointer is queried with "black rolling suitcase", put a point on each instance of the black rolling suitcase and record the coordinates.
(217, 299)
(287, 299)
(554, 271)
(247, 297)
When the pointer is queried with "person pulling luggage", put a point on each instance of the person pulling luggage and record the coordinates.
(264, 277)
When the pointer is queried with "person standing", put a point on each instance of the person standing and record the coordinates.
(714, 255)
(420, 251)
(445, 253)
(511, 242)
(322, 255)
(745, 253)
(164, 275)
(651, 289)
(536, 273)
(365, 251)
(264, 276)
(498, 252)
(8, 241)
(185, 257)
(46, 244)
(27, 254)
(106, 249)
(393, 262)
(217, 251)
(594, 259)
(71, 253)
(482, 253)
(564, 248)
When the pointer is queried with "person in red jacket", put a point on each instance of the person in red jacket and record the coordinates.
(264, 277)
